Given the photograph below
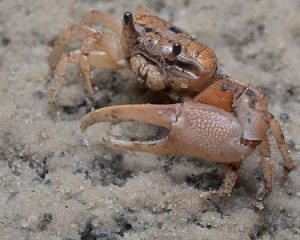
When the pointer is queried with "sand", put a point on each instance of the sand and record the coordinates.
(59, 183)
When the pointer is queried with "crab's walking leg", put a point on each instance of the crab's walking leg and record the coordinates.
(76, 31)
(96, 60)
(59, 79)
(98, 49)
(230, 178)
(266, 163)
(279, 137)
(92, 41)
(93, 59)
(267, 168)
(98, 17)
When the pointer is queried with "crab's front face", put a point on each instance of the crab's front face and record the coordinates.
(178, 59)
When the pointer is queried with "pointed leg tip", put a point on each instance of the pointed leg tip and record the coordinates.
(89, 119)
(84, 125)
(289, 168)
(52, 112)
(91, 91)
(82, 128)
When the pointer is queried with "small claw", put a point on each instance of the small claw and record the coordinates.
(196, 130)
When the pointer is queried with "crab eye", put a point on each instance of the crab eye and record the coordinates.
(176, 49)
(128, 18)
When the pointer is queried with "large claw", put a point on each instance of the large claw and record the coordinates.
(196, 129)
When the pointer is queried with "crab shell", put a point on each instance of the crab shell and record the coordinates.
(165, 55)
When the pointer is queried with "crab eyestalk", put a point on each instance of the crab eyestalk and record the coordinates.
(176, 50)
(128, 18)
(129, 25)
(129, 35)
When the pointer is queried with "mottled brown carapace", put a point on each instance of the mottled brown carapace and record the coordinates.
(184, 63)
(214, 117)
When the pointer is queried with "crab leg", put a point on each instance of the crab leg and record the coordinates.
(196, 129)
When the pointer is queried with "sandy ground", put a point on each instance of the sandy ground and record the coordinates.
(59, 183)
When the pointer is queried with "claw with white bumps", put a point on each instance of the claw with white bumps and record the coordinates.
(196, 129)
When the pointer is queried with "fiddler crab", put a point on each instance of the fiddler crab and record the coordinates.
(214, 117)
